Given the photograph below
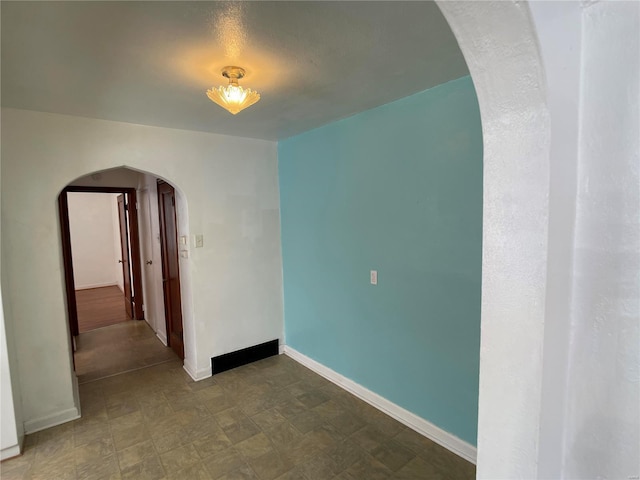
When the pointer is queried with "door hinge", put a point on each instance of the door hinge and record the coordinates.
(126, 206)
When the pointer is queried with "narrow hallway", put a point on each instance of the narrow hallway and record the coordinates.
(119, 348)
(100, 307)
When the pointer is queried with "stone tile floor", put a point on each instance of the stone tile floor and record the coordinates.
(272, 419)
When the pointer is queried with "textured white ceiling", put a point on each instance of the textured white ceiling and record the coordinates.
(151, 62)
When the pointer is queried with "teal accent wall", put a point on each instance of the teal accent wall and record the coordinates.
(396, 189)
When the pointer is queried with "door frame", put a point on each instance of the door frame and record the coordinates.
(166, 297)
(134, 242)
(125, 253)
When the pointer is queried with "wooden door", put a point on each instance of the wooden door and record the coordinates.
(170, 267)
(72, 309)
(124, 255)
(134, 256)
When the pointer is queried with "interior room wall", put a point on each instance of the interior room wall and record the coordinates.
(11, 428)
(397, 189)
(9, 434)
(115, 177)
(95, 242)
(603, 407)
(227, 191)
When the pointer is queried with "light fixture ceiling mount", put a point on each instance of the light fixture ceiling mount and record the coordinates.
(233, 97)
(233, 72)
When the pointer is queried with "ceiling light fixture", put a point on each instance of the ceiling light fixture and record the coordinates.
(233, 97)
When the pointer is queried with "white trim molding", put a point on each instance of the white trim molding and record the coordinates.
(196, 374)
(9, 452)
(162, 337)
(58, 418)
(411, 420)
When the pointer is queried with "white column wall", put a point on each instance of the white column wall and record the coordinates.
(591, 382)
(559, 374)
(11, 423)
(9, 433)
(558, 25)
(500, 48)
(603, 405)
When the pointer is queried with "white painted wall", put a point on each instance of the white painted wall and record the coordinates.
(95, 242)
(9, 435)
(11, 420)
(114, 177)
(591, 395)
(559, 382)
(227, 190)
(603, 407)
(501, 51)
(558, 25)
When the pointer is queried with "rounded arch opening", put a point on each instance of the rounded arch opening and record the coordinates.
(499, 43)
(150, 252)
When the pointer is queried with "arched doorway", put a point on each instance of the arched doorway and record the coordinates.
(499, 44)
(150, 266)
(129, 260)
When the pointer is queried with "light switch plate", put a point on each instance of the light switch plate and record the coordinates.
(184, 253)
(183, 240)
(199, 240)
(374, 277)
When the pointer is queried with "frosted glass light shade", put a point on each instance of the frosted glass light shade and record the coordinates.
(233, 98)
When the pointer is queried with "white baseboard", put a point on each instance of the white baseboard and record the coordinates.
(37, 424)
(76, 392)
(196, 374)
(95, 285)
(10, 452)
(163, 338)
(411, 420)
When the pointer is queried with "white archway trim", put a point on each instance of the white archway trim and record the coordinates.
(499, 43)
(119, 174)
